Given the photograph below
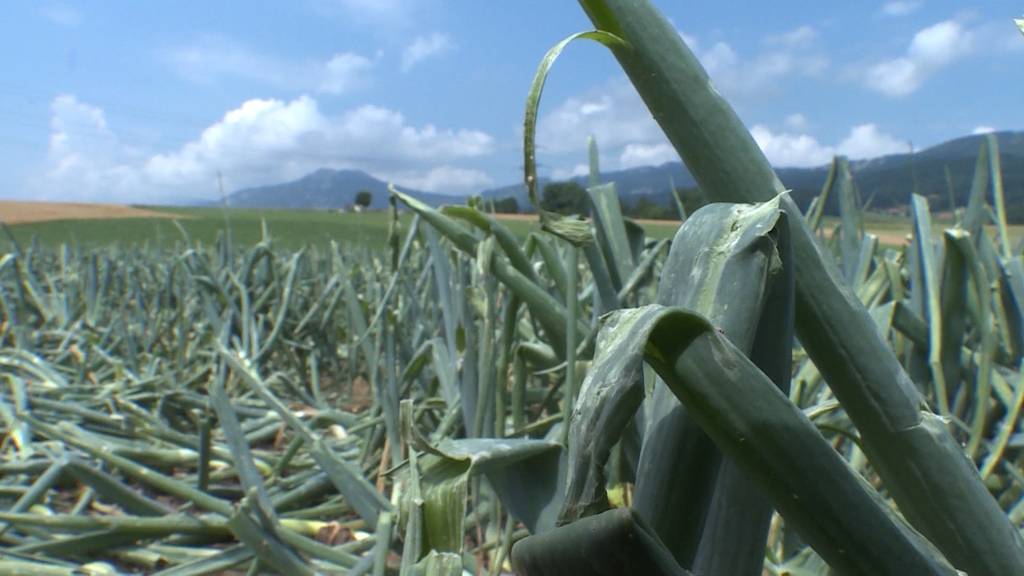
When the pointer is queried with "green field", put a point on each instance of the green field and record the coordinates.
(302, 392)
(177, 379)
(296, 228)
(288, 228)
(769, 396)
(893, 230)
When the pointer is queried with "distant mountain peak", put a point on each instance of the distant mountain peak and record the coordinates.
(326, 189)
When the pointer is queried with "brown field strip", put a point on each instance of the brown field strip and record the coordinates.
(21, 212)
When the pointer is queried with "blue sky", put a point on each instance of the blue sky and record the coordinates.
(128, 101)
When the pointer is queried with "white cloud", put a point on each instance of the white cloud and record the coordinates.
(424, 47)
(61, 15)
(445, 179)
(295, 134)
(982, 130)
(931, 49)
(797, 121)
(619, 120)
(74, 124)
(789, 149)
(634, 155)
(260, 142)
(867, 141)
(798, 37)
(614, 115)
(342, 72)
(568, 173)
(898, 77)
(617, 117)
(940, 43)
(85, 159)
(900, 7)
(791, 54)
(213, 58)
(623, 127)
(627, 133)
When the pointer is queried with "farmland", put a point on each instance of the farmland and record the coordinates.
(13, 212)
(298, 375)
(84, 225)
(290, 228)
(443, 391)
(286, 374)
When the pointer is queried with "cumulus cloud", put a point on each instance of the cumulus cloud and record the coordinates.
(570, 172)
(867, 141)
(614, 115)
(213, 58)
(765, 72)
(789, 54)
(900, 7)
(424, 47)
(982, 130)
(790, 149)
(259, 142)
(623, 126)
(634, 155)
(617, 117)
(85, 161)
(940, 43)
(75, 125)
(289, 139)
(342, 72)
(796, 121)
(798, 37)
(445, 179)
(930, 50)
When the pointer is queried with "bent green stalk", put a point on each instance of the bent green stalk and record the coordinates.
(923, 467)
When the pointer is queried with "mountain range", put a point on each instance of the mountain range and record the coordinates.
(327, 189)
(885, 183)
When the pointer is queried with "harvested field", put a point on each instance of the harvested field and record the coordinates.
(21, 212)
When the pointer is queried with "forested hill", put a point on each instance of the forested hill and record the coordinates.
(326, 189)
(886, 182)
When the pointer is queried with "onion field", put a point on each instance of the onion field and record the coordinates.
(766, 392)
